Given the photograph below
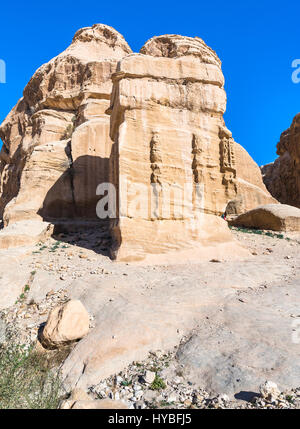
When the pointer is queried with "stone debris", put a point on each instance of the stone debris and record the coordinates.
(130, 387)
(35, 312)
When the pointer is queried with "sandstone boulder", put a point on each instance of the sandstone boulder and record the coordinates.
(66, 323)
(277, 217)
(282, 178)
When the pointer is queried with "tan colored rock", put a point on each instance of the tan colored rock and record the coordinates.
(269, 390)
(67, 404)
(282, 178)
(277, 217)
(149, 377)
(66, 323)
(174, 163)
(251, 191)
(14, 276)
(24, 233)
(79, 395)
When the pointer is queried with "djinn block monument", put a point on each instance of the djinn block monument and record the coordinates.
(142, 134)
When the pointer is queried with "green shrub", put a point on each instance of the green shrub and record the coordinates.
(26, 381)
(68, 132)
(158, 383)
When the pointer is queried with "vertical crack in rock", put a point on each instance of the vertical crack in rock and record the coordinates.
(155, 159)
(196, 163)
(228, 163)
(71, 172)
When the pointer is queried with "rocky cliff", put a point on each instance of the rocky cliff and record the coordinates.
(149, 123)
(282, 178)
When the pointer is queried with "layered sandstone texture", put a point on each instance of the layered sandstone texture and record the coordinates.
(56, 141)
(149, 123)
(178, 165)
(282, 178)
(277, 217)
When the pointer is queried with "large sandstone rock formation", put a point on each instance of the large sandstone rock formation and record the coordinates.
(282, 177)
(149, 123)
(56, 141)
(178, 165)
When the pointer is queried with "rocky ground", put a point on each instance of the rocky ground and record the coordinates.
(247, 319)
(158, 382)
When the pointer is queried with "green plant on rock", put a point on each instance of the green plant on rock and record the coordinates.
(68, 132)
(166, 404)
(25, 379)
(158, 383)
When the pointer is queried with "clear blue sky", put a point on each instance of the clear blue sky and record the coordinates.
(256, 41)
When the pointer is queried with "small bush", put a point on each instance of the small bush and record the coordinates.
(158, 383)
(68, 132)
(25, 380)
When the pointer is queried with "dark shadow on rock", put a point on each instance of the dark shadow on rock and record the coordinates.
(40, 331)
(70, 204)
(246, 396)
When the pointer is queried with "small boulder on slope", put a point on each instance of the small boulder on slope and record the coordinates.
(276, 217)
(66, 323)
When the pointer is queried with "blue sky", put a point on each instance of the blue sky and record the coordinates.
(256, 41)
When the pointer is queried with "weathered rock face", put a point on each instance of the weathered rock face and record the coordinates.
(178, 165)
(56, 140)
(161, 141)
(282, 178)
